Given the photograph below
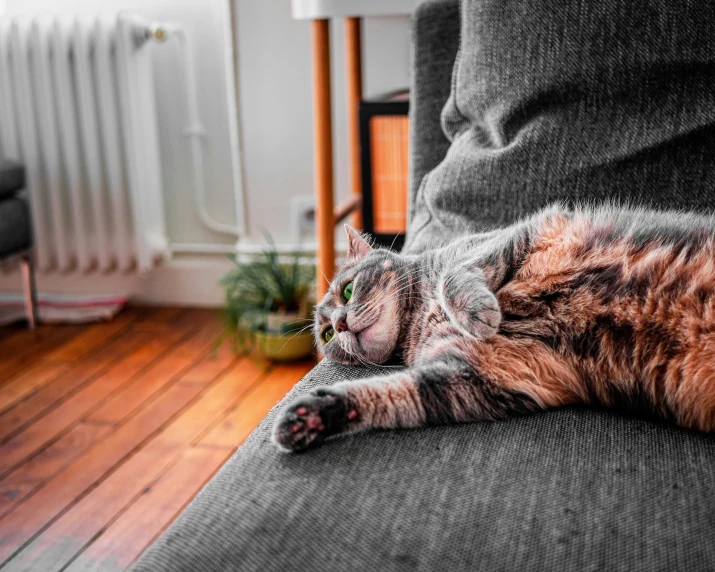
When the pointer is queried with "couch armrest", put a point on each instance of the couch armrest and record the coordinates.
(435, 39)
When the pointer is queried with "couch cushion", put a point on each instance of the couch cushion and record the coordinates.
(15, 227)
(573, 101)
(12, 178)
(564, 490)
(435, 41)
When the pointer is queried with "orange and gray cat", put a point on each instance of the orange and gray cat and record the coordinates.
(604, 306)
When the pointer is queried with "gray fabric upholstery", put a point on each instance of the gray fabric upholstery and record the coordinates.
(572, 101)
(559, 491)
(12, 178)
(552, 100)
(15, 226)
(435, 41)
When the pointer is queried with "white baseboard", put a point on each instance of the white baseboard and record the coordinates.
(185, 281)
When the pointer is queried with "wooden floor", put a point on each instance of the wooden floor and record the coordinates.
(107, 431)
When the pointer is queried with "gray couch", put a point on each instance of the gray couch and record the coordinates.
(574, 489)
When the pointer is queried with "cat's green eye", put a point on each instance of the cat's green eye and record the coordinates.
(348, 291)
(328, 334)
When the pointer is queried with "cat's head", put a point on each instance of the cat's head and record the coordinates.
(360, 319)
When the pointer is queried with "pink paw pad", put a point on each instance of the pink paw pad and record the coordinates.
(352, 414)
(313, 422)
(301, 411)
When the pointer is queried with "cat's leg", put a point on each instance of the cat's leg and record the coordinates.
(473, 268)
(505, 378)
(468, 302)
(384, 401)
(440, 392)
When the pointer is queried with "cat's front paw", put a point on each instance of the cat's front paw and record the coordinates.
(310, 419)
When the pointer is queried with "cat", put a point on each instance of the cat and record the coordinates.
(592, 305)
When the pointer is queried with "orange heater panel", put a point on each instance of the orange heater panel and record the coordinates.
(389, 137)
(384, 145)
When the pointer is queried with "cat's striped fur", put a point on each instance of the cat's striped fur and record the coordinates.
(606, 306)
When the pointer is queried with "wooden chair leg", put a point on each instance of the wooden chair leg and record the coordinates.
(322, 129)
(28, 289)
(353, 74)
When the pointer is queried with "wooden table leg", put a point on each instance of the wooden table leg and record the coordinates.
(353, 72)
(323, 143)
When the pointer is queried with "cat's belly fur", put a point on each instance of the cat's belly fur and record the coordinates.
(636, 322)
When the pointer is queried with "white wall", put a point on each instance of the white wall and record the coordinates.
(275, 102)
(274, 92)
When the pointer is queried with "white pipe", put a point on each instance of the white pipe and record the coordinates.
(233, 105)
(242, 248)
(195, 132)
(246, 248)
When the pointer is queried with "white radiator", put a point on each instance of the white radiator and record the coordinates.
(77, 107)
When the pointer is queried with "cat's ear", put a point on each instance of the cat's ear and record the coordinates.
(358, 247)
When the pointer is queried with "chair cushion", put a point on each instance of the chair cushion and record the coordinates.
(15, 227)
(565, 490)
(12, 178)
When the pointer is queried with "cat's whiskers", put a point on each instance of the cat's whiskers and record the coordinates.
(390, 288)
(364, 361)
(324, 276)
(386, 288)
(394, 240)
(403, 288)
(303, 329)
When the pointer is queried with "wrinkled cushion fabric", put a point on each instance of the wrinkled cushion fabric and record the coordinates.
(435, 44)
(573, 101)
(560, 491)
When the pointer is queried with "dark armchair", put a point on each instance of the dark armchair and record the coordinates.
(16, 230)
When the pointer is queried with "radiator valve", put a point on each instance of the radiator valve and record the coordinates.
(158, 33)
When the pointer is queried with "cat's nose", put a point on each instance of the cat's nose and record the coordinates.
(341, 325)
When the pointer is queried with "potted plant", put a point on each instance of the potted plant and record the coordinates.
(268, 304)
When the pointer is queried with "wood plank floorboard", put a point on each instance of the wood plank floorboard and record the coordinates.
(30, 476)
(248, 412)
(150, 513)
(24, 348)
(61, 388)
(51, 426)
(107, 431)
